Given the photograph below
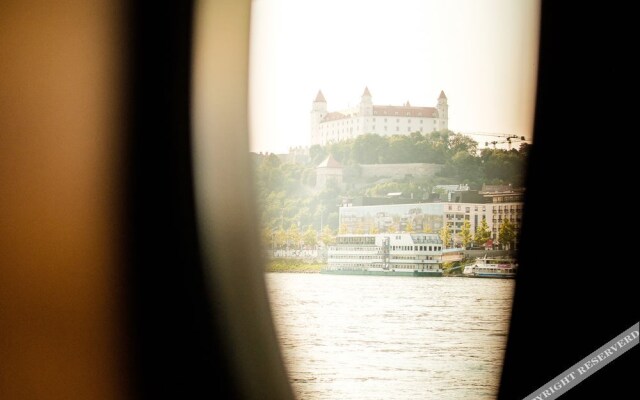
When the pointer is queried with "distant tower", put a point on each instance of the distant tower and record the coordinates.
(318, 112)
(366, 110)
(443, 112)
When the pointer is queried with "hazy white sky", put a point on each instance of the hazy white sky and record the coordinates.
(482, 53)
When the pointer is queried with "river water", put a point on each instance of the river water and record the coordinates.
(372, 337)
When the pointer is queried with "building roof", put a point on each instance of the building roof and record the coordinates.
(442, 95)
(406, 111)
(366, 91)
(332, 116)
(496, 188)
(319, 97)
(329, 162)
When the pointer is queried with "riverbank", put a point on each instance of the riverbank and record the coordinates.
(293, 266)
(287, 265)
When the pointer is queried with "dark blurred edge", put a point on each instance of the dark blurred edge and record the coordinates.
(176, 348)
(577, 285)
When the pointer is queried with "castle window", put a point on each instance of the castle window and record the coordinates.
(385, 120)
(373, 127)
(409, 121)
(421, 121)
(385, 128)
(397, 128)
(397, 119)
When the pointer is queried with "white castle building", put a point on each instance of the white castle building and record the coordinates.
(329, 127)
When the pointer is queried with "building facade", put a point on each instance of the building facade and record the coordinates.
(328, 171)
(429, 217)
(330, 127)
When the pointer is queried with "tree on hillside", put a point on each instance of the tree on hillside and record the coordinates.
(400, 150)
(466, 167)
(483, 234)
(272, 161)
(424, 149)
(317, 154)
(341, 151)
(368, 149)
(505, 166)
(440, 143)
(381, 189)
(459, 142)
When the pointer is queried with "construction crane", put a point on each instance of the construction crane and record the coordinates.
(506, 138)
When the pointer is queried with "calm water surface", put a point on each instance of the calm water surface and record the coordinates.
(371, 337)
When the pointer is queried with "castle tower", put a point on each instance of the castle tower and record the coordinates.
(318, 112)
(443, 112)
(366, 110)
(366, 104)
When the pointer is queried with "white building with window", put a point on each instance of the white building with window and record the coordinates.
(431, 217)
(330, 127)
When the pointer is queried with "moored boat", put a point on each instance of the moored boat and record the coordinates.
(487, 267)
(389, 254)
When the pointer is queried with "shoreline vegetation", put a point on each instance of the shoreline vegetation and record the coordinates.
(293, 266)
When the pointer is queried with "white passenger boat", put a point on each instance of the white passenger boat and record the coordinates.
(391, 254)
(488, 267)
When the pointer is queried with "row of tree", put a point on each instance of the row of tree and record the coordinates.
(457, 152)
(294, 238)
(506, 234)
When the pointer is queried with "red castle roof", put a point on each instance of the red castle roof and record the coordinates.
(329, 162)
